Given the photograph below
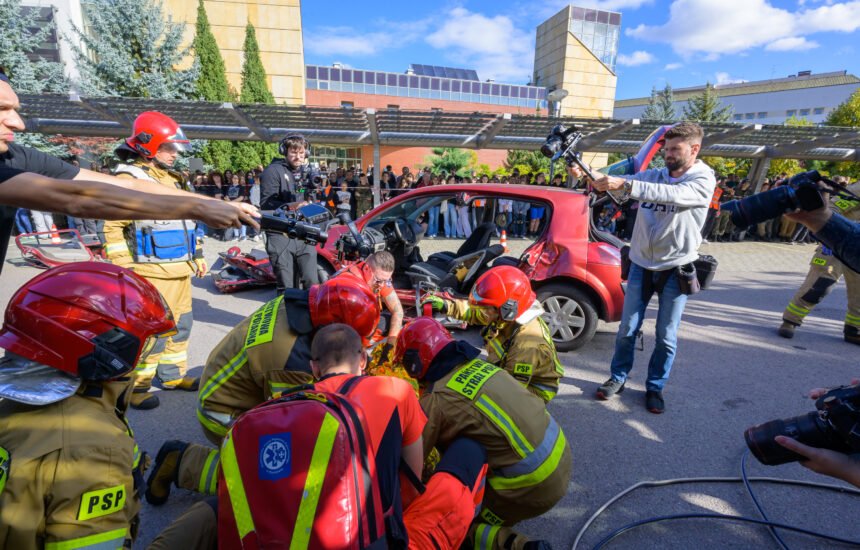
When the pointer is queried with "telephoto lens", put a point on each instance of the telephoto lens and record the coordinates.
(809, 429)
(761, 207)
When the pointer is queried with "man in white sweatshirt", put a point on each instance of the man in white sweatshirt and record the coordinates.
(673, 205)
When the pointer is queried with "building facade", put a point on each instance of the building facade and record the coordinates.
(803, 95)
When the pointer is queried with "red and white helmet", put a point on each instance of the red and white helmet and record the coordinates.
(420, 341)
(89, 320)
(345, 300)
(152, 130)
(507, 289)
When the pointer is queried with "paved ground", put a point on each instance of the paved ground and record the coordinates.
(732, 371)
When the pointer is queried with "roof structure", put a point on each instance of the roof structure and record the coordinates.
(798, 82)
(73, 115)
(444, 72)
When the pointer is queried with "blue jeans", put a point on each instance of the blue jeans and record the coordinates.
(451, 220)
(200, 230)
(22, 221)
(671, 307)
(433, 221)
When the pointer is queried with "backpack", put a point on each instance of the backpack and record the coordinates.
(299, 472)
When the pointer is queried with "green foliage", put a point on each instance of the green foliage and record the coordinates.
(132, 49)
(661, 105)
(788, 166)
(726, 166)
(706, 107)
(530, 162)
(450, 161)
(846, 113)
(255, 89)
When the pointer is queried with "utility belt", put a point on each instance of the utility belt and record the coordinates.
(692, 277)
(159, 242)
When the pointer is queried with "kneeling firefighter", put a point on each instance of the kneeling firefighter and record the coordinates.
(516, 337)
(263, 356)
(528, 456)
(166, 253)
(69, 467)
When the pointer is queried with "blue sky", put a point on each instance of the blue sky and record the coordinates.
(682, 42)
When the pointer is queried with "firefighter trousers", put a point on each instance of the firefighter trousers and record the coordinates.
(169, 358)
(196, 529)
(824, 272)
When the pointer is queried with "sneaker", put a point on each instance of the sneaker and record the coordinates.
(187, 383)
(609, 388)
(142, 400)
(786, 329)
(654, 402)
(852, 335)
(165, 472)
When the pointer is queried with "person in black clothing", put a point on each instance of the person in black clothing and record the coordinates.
(280, 184)
(32, 179)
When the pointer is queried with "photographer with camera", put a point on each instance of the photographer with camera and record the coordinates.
(280, 184)
(666, 236)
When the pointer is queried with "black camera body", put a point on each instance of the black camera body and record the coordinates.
(356, 245)
(802, 191)
(300, 224)
(561, 143)
(834, 425)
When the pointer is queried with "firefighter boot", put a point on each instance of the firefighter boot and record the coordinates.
(165, 472)
(786, 329)
(852, 334)
(186, 383)
(142, 400)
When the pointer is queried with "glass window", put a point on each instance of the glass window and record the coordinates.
(603, 17)
(380, 79)
(346, 75)
(819, 110)
(505, 91)
(323, 85)
(435, 94)
(446, 85)
(576, 27)
(335, 74)
(434, 83)
(762, 114)
(323, 73)
(403, 81)
(578, 13)
(749, 116)
(346, 86)
(532, 93)
(347, 104)
(425, 94)
(495, 89)
(391, 80)
(455, 85)
(790, 113)
(425, 83)
(615, 19)
(312, 84)
(485, 89)
(359, 88)
(804, 112)
(590, 15)
(359, 77)
(311, 72)
(413, 92)
(413, 81)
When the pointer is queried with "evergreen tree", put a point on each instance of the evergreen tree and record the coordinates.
(255, 89)
(666, 103)
(530, 162)
(706, 107)
(132, 50)
(449, 160)
(28, 74)
(211, 85)
(652, 111)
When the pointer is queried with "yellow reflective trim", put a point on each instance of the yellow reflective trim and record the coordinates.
(102, 502)
(547, 336)
(845, 204)
(852, 320)
(500, 418)
(218, 429)
(277, 389)
(485, 536)
(314, 483)
(4, 468)
(235, 489)
(224, 374)
(209, 475)
(497, 347)
(261, 330)
(173, 357)
(797, 310)
(116, 247)
(468, 380)
(111, 539)
(539, 475)
(819, 261)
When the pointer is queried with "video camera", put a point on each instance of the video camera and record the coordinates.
(357, 245)
(834, 425)
(299, 224)
(803, 191)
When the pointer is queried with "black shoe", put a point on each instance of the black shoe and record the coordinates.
(142, 400)
(165, 472)
(852, 335)
(654, 402)
(786, 329)
(609, 388)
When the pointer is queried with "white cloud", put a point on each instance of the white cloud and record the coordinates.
(701, 27)
(673, 66)
(346, 41)
(635, 59)
(725, 78)
(493, 46)
(793, 43)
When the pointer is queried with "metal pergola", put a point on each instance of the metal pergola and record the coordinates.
(76, 116)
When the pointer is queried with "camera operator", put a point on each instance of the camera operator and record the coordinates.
(280, 184)
(834, 231)
(667, 233)
(824, 461)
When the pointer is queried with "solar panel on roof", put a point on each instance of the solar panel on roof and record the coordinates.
(444, 72)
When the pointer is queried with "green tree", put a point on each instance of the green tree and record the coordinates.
(449, 160)
(707, 107)
(255, 89)
(132, 49)
(651, 111)
(211, 85)
(530, 162)
(29, 74)
(661, 105)
(846, 114)
(788, 166)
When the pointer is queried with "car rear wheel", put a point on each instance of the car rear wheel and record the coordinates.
(570, 315)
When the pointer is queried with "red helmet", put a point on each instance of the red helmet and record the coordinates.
(153, 129)
(345, 300)
(91, 320)
(419, 343)
(506, 288)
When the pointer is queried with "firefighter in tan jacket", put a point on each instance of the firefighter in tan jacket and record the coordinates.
(166, 253)
(69, 468)
(527, 453)
(516, 337)
(824, 272)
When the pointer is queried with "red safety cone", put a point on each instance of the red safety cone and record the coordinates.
(504, 241)
(55, 235)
